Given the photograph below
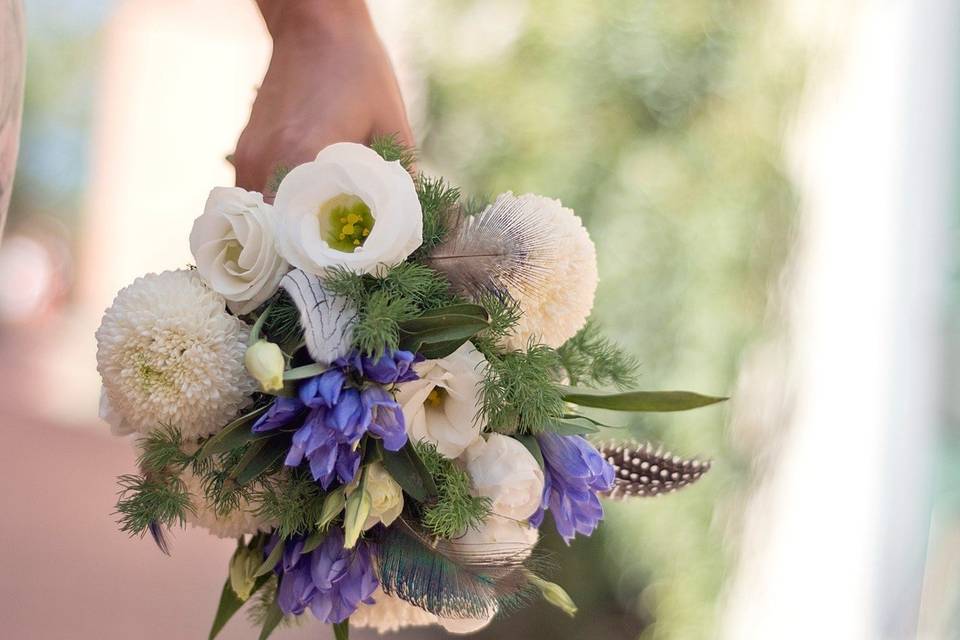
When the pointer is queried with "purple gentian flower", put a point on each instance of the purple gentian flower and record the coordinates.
(330, 580)
(331, 414)
(384, 417)
(328, 452)
(574, 471)
(282, 412)
(324, 389)
(390, 368)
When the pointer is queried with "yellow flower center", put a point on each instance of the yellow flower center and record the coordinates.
(345, 221)
(436, 397)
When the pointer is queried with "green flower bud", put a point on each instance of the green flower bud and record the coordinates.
(243, 568)
(266, 363)
(357, 510)
(555, 595)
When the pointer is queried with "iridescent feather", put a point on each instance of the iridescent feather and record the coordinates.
(452, 580)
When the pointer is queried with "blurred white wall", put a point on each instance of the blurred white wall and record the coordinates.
(836, 535)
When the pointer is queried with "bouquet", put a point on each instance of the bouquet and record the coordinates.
(381, 390)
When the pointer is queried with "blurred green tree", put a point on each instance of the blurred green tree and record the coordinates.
(662, 124)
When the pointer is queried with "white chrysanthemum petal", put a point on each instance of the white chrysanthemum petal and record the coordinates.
(238, 522)
(559, 305)
(389, 614)
(169, 354)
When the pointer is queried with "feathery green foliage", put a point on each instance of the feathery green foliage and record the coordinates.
(282, 326)
(438, 201)
(593, 358)
(151, 498)
(518, 391)
(402, 293)
(391, 149)
(504, 316)
(220, 488)
(293, 499)
(455, 509)
(162, 449)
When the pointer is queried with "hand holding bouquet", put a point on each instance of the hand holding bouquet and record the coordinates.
(376, 388)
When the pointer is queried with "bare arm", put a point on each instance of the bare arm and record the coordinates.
(329, 80)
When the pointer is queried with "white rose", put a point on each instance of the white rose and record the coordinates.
(441, 407)
(497, 536)
(500, 536)
(502, 469)
(386, 496)
(348, 208)
(463, 626)
(233, 244)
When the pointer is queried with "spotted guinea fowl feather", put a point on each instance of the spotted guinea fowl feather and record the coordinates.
(644, 471)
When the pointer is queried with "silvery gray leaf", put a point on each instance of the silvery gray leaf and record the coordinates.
(327, 319)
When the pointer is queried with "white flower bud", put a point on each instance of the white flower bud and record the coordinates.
(266, 363)
(243, 567)
(386, 496)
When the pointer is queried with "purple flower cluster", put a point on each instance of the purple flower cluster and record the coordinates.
(574, 471)
(330, 580)
(336, 408)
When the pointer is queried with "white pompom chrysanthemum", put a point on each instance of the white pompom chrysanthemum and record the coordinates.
(169, 354)
(238, 522)
(389, 614)
(559, 305)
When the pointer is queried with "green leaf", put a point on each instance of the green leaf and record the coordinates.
(230, 604)
(273, 618)
(306, 371)
(315, 540)
(462, 331)
(271, 560)
(269, 453)
(408, 470)
(566, 428)
(234, 435)
(445, 317)
(341, 630)
(530, 442)
(440, 349)
(638, 400)
(597, 423)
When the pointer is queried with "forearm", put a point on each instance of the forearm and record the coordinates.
(313, 18)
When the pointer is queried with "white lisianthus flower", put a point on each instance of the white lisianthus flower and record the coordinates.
(558, 306)
(348, 208)
(168, 353)
(386, 496)
(233, 244)
(441, 406)
(502, 469)
(390, 613)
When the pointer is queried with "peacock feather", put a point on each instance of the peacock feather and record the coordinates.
(452, 579)
(643, 471)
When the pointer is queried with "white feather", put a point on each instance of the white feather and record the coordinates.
(327, 319)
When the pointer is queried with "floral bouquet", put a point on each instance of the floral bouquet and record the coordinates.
(378, 388)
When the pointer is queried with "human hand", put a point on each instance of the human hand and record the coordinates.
(329, 80)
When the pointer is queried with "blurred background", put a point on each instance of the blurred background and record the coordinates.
(770, 185)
